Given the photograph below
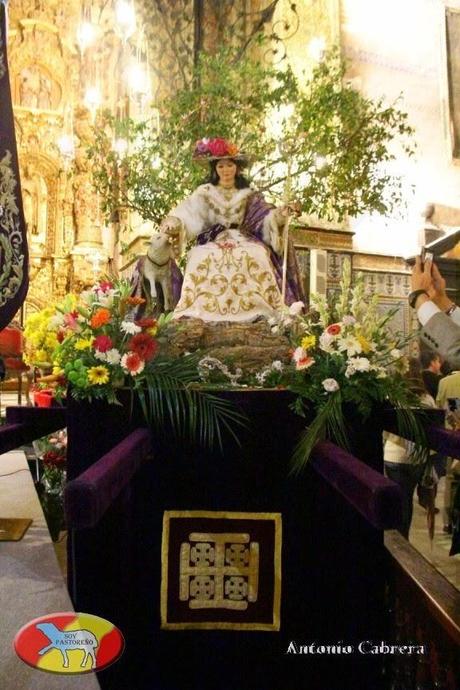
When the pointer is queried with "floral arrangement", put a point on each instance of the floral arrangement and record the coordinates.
(53, 453)
(214, 148)
(102, 345)
(40, 334)
(345, 353)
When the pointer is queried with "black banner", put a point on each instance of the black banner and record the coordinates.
(14, 255)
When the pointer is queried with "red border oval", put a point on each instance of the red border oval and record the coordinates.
(28, 640)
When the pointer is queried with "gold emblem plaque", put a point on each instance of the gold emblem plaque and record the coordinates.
(221, 570)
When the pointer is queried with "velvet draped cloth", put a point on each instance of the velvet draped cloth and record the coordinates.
(14, 278)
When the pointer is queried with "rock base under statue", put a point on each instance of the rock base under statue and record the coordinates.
(249, 346)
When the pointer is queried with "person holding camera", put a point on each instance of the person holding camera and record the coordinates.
(438, 315)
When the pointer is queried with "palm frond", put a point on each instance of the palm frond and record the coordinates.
(315, 432)
(410, 426)
(166, 398)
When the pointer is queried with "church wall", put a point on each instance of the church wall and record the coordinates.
(397, 48)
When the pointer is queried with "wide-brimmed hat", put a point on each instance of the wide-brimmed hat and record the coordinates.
(207, 150)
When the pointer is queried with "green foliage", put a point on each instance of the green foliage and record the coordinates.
(166, 395)
(349, 358)
(335, 141)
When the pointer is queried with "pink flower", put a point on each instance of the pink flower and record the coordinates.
(201, 147)
(103, 343)
(105, 285)
(132, 363)
(334, 329)
(218, 147)
(70, 320)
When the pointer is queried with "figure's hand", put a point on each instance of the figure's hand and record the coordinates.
(292, 209)
(288, 210)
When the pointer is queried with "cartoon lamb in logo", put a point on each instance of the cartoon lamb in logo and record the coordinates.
(65, 641)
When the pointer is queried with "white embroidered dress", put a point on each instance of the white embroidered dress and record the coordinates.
(230, 278)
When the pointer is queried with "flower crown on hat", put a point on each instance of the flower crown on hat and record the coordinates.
(213, 149)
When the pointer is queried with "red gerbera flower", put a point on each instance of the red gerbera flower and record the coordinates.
(103, 343)
(144, 345)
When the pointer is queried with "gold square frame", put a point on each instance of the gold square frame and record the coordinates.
(221, 625)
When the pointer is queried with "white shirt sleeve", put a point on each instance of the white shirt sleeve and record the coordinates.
(455, 316)
(426, 311)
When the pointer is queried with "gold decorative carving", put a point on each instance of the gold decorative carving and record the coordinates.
(319, 238)
(219, 571)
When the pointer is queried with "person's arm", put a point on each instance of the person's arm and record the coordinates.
(433, 297)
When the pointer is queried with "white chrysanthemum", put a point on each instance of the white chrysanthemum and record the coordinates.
(360, 363)
(330, 385)
(277, 365)
(351, 345)
(296, 308)
(396, 354)
(130, 327)
(101, 355)
(113, 356)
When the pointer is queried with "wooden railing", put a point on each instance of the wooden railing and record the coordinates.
(423, 606)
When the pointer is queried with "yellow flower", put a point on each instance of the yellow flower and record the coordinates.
(83, 343)
(365, 344)
(50, 341)
(308, 341)
(98, 375)
(152, 331)
(41, 356)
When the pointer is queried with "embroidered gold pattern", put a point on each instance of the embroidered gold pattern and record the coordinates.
(226, 577)
(219, 571)
(11, 239)
(230, 279)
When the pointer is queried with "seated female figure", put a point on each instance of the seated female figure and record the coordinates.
(234, 272)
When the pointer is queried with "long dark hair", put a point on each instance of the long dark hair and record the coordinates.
(213, 178)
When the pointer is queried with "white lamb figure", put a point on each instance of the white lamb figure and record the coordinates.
(157, 268)
(68, 640)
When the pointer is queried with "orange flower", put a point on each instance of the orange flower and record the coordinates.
(100, 318)
(134, 301)
(232, 149)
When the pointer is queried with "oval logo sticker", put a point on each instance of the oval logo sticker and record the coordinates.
(69, 643)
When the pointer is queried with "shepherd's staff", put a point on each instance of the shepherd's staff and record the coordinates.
(289, 207)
